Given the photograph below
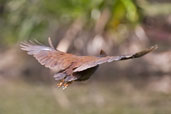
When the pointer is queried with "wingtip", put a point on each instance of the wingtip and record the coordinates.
(50, 43)
(154, 47)
(146, 51)
(23, 45)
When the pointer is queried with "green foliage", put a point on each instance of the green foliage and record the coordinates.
(124, 9)
(21, 19)
(25, 19)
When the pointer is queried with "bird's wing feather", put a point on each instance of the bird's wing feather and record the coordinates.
(102, 60)
(48, 56)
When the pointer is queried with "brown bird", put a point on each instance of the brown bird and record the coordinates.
(69, 67)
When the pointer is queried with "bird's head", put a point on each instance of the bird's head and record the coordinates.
(102, 53)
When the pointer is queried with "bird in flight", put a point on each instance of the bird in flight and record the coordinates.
(68, 67)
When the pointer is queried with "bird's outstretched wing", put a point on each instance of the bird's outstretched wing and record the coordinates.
(102, 60)
(48, 56)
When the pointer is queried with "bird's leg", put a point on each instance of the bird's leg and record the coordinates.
(65, 85)
(60, 83)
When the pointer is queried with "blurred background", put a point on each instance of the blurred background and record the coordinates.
(84, 27)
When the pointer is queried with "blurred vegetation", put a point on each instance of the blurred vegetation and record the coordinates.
(94, 98)
(27, 19)
(39, 19)
(30, 19)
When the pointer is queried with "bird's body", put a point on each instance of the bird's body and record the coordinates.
(69, 67)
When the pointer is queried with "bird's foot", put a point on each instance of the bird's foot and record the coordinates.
(63, 84)
(60, 83)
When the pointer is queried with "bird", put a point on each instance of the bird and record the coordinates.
(69, 67)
